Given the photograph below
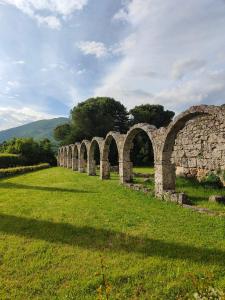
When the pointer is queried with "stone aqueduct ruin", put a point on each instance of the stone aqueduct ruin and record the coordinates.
(192, 145)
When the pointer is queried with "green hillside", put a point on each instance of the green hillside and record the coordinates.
(38, 130)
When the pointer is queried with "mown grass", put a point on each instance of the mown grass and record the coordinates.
(56, 225)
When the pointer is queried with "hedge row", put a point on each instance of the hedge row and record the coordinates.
(22, 170)
(8, 160)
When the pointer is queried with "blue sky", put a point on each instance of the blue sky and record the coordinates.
(54, 54)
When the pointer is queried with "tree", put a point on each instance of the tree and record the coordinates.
(152, 114)
(93, 117)
(97, 116)
(31, 152)
(62, 131)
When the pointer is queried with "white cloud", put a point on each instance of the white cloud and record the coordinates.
(184, 67)
(18, 62)
(97, 49)
(12, 117)
(135, 11)
(56, 8)
(208, 87)
(13, 83)
(51, 21)
(167, 47)
(125, 45)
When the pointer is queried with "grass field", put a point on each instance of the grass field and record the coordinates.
(59, 229)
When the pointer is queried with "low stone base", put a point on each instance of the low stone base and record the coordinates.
(137, 187)
(179, 198)
(217, 198)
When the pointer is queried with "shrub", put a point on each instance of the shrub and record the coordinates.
(22, 170)
(212, 181)
(31, 151)
(8, 160)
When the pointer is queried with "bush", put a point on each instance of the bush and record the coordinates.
(31, 151)
(212, 181)
(22, 170)
(8, 160)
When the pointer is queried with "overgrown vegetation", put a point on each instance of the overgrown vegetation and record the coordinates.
(21, 170)
(212, 181)
(8, 160)
(28, 151)
(55, 224)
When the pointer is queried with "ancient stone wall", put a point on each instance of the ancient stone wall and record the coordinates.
(199, 146)
(193, 144)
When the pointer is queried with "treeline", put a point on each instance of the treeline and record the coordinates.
(98, 116)
(26, 152)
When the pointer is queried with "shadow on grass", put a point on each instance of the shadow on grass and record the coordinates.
(103, 239)
(10, 185)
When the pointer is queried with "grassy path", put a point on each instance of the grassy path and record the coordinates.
(56, 225)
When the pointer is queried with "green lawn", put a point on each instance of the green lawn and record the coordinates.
(57, 225)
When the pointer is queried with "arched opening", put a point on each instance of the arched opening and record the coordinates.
(198, 160)
(189, 149)
(110, 156)
(138, 156)
(94, 156)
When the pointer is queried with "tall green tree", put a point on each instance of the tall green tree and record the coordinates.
(152, 114)
(93, 117)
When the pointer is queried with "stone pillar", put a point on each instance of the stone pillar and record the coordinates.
(74, 163)
(64, 159)
(104, 169)
(68, 161)
(165, 178)
(126, 171)
(91, 167)
(81, 165)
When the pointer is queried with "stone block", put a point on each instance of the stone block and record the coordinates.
(217, 198)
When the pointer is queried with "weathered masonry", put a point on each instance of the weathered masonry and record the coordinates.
(192, 145)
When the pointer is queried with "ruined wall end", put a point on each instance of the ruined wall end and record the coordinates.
(200, 146)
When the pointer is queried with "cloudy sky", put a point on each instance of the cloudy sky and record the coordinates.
(56, 53)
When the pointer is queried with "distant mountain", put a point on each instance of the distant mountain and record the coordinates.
(38, 130)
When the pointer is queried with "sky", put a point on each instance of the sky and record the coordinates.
(55, 54)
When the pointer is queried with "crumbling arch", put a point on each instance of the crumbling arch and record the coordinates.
(164, 168)
(96, 143)
(83, 156)
(126, 174)
(105, 165)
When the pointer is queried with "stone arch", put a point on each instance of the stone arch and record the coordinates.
(126, 173)
(105, 165)
(84, 147)
(91, 166)
(164, 169)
